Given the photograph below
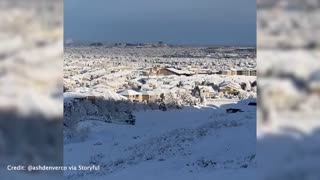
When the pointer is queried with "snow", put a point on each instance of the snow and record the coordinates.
(279, 85)
(129, 93)
(207, 88)
(108, 94)
(202, 142)
(72, 95)
(229, 84)
(148, 93)
(85, 92)
(315, 76)
(288, 148)
(118, 74)
(160, 91)
(17, 175)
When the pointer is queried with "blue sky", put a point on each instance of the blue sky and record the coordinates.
(189, 22)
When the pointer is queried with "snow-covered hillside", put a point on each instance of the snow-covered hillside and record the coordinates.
(202, 142)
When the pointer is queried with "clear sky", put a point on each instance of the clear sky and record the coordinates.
(189, 22)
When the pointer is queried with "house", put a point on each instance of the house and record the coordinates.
(197, 69)
(168, 71)
(253, 72)
(131, 95)
(281, 94)
(94, 98)
(148, 96)
(83, 96)
(229, 72)
(98, 92)
(206, 91)
(179, 72)
(225, 72)
(152, 71)
(203, 71)
(213, 72)
(229, 87)
(233, 71)
(243, 72)
(108, 94)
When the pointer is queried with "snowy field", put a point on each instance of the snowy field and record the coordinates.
(288, 148)
(202, 142)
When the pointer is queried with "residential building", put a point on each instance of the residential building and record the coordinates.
(131, 95)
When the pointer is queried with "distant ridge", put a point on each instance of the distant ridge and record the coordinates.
(148, 44)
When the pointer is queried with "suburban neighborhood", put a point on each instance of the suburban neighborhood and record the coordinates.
(133, 75)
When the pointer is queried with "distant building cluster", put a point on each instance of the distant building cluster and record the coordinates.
(240, 72)
(173, 71)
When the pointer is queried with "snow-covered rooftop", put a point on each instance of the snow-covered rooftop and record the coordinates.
(99, 92)
(129, 92)
(148, 93)
(181, 72)
(229, 84)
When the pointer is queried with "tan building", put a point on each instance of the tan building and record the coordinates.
(206, 91)
(314, 88)
(148, 96)
(253, 72)
(89, 97)
(132, 95)
(165, 72)
(243, 72)
(156, 71)
(94, 98)
(225, 72)
(229, 87)
(282, 94)
(233, 71)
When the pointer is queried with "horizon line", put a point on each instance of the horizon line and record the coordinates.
(88, 42)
